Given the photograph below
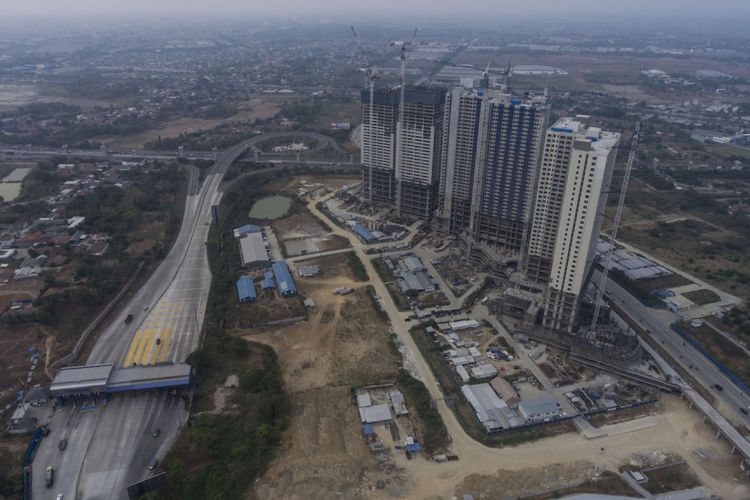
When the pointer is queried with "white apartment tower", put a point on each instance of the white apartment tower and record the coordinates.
(574, 179)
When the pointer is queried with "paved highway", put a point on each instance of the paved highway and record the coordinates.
(110, 446)
(322, 142)
(657, 323)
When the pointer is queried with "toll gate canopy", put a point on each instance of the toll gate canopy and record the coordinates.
(96, 379)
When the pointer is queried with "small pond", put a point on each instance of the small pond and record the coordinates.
(270, 207)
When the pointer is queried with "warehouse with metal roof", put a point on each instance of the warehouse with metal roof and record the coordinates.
(284, 281)
(253, 250)
(363, 233)
(538, 409)
(246, 289)
(491, 411)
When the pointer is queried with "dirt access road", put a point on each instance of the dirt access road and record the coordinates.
(681, 432)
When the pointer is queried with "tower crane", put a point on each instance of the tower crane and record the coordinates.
(404, 52)
(486, 75)
(616, 223)
(371, 74)
(506, 78)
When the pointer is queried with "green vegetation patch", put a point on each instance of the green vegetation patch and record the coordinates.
(220, 455)
(671, 478)
(722, 349)
(702, 297)
(357, 267)
(434, 434)
(386, 275)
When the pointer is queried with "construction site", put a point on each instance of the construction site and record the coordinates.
(346, 353)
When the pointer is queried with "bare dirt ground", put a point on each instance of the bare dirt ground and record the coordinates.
(305, 468)
(290, 185)
(527, 467)
(257, 107)
(301, 233)
(343, 344)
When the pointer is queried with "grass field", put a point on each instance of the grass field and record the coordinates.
(725, 351)
(693, 233)
(671, 478)
(702, 297)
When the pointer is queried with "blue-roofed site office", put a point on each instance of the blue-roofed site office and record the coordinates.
(363, 233)
(246, 289)
(102, 380)
(246, 229)
(284, 280)
(267, 283)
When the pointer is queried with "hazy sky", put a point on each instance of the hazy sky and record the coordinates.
(728, 9)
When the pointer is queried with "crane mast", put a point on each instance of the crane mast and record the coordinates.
(616, 224)
(370, 77)
(402, 97)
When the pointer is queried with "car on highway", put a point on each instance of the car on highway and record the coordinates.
(718, 387)
(62, 444)
(157, 431)
(744, 410)
(59, 496)
(153, 464)
(128, 319)
(49, 476)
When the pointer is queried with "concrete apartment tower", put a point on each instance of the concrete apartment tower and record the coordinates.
(378, 147)
(571, 198)
(419, 151)
(506, 177)
(466, 119)
(492, 157)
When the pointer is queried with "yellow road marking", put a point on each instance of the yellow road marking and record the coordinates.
(145, 359)
(131, 350)
(165, 345)
(144, 342)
